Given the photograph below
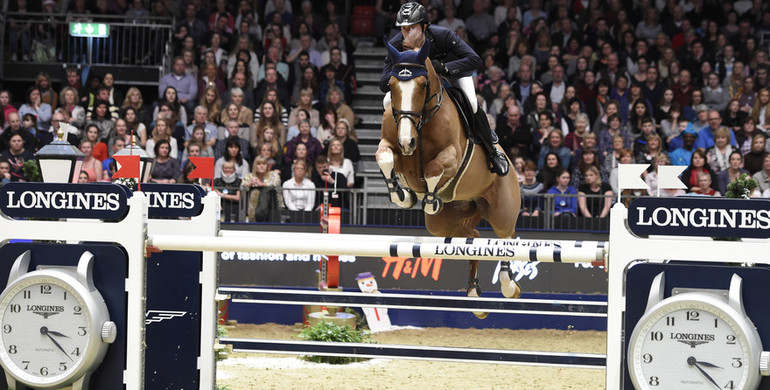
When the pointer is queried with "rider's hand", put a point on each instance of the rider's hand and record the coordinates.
(440, 67)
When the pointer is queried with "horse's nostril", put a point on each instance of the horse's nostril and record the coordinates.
(411, 143)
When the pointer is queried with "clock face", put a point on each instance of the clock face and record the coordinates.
(690, 344)
(44, 330)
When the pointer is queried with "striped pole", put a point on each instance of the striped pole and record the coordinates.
(419, 352)
(571, 308)
(386, 246)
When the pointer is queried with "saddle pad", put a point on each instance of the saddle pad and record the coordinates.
(466, 113)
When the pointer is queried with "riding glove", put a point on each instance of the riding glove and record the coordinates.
(441, 69)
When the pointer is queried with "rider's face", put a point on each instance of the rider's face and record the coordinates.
(405, 29)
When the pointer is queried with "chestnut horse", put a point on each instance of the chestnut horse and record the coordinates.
(425, 148)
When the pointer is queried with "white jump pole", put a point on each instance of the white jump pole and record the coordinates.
(340, 244)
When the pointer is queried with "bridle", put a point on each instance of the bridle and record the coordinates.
(425, 115)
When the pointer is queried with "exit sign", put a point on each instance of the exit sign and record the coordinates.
(93, 30)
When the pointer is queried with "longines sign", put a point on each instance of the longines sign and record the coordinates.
(700, 216)
(47, 200)
(173, 200)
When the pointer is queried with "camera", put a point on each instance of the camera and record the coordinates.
(325, 172)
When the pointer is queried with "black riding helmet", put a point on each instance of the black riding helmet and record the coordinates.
(411, 13)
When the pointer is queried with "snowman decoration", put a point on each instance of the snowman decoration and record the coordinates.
(376, 318)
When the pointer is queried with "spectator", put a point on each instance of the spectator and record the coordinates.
(548, 174)
(102, 120)
(564, 205)
(515, 136)
(198, 138)
(762, 177)
(234, 113)
(575, 138)
(243, 52)
(270, 148)
(761, 111)
(260, 183)
(744, 136)
(134, 100)
(134, 126)
(669, 127)
(652, 180)
(35, 106)
(335, 101)
(211, 101)
(98, 147)
(274, 59)
(241, 81)
(274, 83)
(305, 41)
(19, 29)
(267, 118)
(201, 118)
(719, 154)
(298, 192)
(195, 27)
(683, 154)
(342, 71)
(5, 105)
(209, 78)
(165, 169)
(586, 159)
(339, 164)
(69, 102)
(626, 157)
(241, 69)
(706, 135)
(714, 95)
(294, 130)
(732, 173)
(5, 172)
(612, 160)
(698, 165)
(344, 132)
(233, 154)
(161, 132)
(304, 137)
(175, 111)
(232, 133)
(531, 191)
(704, 186)
(103, 94)
(227, 186)
(117, 146)
(47, 95)
(747, 96)
(605, 137)
(14, 127)
(594, 207)
(733, 117)
(114, 96)
(184, 85)
(91, 165)
(325, 131)
(754, 159)
(554, 144)
(640, 143)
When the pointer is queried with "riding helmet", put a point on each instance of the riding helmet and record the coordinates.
(411, 13)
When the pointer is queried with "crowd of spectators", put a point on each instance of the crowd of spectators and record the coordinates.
(572, 88)
(248, 83)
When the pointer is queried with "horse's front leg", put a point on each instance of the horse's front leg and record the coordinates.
(386, 159)
(444, 164)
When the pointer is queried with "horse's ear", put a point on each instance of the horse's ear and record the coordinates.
(392, 51)
(424, 51)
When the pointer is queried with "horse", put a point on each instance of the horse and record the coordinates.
(424, 147)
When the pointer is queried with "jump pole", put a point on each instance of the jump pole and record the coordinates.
(383, 246)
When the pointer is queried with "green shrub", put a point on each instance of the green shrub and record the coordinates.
(328, 331)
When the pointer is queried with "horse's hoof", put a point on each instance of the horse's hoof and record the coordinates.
(404, 198)
(474, 290)
(432, 207)
(508, 286)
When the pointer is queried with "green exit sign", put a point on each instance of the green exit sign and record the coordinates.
(93, 30)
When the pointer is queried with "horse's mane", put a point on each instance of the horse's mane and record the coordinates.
(413, 40)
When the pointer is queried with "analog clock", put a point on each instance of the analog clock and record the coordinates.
(54, 325)
(699, 339)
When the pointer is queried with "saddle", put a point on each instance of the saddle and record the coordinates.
(466, 112)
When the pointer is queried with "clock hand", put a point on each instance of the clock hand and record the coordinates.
(707, 364)
(58, 334)
(45, 331)
(691, 361)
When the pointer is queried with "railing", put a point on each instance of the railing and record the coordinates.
(368, 207)
(131, 43)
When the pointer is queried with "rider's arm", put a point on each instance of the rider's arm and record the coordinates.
(466, 62)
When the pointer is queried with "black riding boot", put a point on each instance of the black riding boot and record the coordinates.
(496, 158)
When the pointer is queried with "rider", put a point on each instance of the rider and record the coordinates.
(453, 59)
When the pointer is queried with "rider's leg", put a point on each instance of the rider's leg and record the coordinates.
(386, 100)
(496, 158)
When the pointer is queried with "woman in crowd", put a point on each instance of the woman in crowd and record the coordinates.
(305, 102)
(334, 99)
(91, 165)
(208, 78)
(626, 157)
(134, 100)
(342, 132)
(134, 126)
(102, 119)
(34, 105)
(652, 148)
(548, 173)
(732, 173)
(17, 155)
(594, 207)
(232, 112)
(744, 136)
(733, 117)
(575, 137)
(754, 159)
(232, 154)
(165, 169)
(261, 177)
(298, 192)
(325, 131)
(5, 104)
(698, 165)
(339, 164)
(531, 191)
(47, 94)
(587, 159)
(268, 118)
(212, 101)
(612, 160)
(227, 186)
(719, 154)
(70, 102)
(555, 144)
(294, 130)
(652, 179)
(161, 133)
(98, 148)
(566, 206)
(761, 111)
(170, 97)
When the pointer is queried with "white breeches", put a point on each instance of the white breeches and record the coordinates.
(464, 83)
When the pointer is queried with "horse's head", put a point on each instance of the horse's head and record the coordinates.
(409, 86)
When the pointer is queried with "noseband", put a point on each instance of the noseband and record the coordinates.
(424, 115)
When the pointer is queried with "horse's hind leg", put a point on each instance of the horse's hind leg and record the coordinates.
(501, 210)
(459, 219)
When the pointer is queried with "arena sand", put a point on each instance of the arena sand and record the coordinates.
(244, 371)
